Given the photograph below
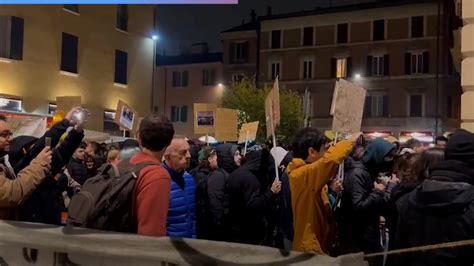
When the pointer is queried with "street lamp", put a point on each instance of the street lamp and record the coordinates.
(155, 38)
(357, 76)
(220, 85)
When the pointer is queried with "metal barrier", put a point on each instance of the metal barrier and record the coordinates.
(38, 244)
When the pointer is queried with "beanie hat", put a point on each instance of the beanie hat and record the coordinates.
(460, 147)
(129, 143)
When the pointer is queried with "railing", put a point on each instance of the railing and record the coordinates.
(28, 243)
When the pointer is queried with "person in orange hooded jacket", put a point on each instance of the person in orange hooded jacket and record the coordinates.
(309, 172)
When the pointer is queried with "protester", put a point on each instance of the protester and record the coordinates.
(93, 148)
(15, 189)
(441, 142)
(250, 197)
(364, 198)
(47, 203)
(152, 196)
(415, 145)
(228, 157)
(76, 167)
(212, 202)
(113, 157)
(311, 169)
(93, 163)
(182, 205)
(441, 209)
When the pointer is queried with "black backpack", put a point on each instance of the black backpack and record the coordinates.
(106, 201)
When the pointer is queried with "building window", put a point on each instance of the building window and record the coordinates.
(308, 68)
(69, 52)
(417, 63)
(239, 51)
(376, 105)
(13, 105)
(417, 27)
(308, 36)
(379, 30)
(208, 77)
(378, 66)
(179, 114)
(122, 17)
(342, 33)
(449, 107)
(11, 37)
(180, 78)
(52, 108)
(341, 68)
(110, 126)
(121, 67)
(275, 68)
(276, 39)
(237, 78)
(72, 8)
(416, 105)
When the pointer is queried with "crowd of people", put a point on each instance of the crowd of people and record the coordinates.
(330, 197)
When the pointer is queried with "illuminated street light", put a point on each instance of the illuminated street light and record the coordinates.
(154, 37)
(357, 76)
(220, 85)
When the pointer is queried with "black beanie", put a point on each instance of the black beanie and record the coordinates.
(460, 147)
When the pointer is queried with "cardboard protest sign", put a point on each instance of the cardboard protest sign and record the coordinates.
(272, 108)
(251, 128)
(226, 124)
(204, 118)
(125, 116)
(348, 107)
(66, 103)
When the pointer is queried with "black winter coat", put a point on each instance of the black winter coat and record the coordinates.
(249, 199)
(439, 210)
(361, 205)
(78, 171)
(46, 203)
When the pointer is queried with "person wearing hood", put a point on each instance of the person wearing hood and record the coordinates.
(364, 199)
(228, 157)
(250, 197)
(441, 209)
(212, 201)
(181, 221)
(312, 167)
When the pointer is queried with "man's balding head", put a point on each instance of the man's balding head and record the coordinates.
(177, 155)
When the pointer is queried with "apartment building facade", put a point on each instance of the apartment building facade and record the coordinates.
(102, 53)
(389, 48)
(183, 80)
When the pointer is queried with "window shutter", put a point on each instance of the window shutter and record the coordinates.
(368, 106)
(173, 113)
(426, 62)
(204, 82)
(407, 63)
(385, 106)
(184, 114)
(16, 44)
(213, 77)
(386, 65)
(245, 51)
(370, 60)
(333, 67)
(185, 79)
(232, 53)
(349, 67)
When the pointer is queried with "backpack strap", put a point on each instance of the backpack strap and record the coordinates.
(136, 169)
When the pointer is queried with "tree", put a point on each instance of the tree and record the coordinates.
(250, 100)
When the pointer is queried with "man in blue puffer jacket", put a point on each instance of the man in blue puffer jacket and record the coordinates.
(182, 209)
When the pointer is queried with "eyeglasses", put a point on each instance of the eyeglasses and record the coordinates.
(6, 134)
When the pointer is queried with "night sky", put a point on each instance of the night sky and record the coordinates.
(182, 25)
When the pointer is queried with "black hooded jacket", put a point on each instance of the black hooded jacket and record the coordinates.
(250, 198)
(361, 205)
(440, 210)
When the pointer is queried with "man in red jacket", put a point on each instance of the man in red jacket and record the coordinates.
(154, 183)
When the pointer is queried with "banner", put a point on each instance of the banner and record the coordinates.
(226, 124)
(347, 107)
(48, 245)
(272, 108)
(26, 125)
